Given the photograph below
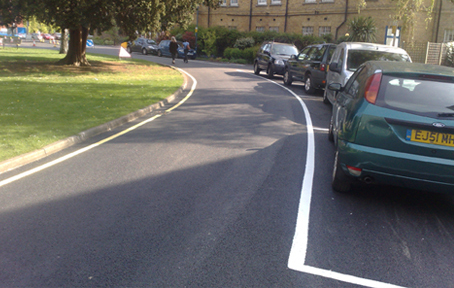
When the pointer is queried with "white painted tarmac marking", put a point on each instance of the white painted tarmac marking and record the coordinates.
(80, 151)
(297, 257)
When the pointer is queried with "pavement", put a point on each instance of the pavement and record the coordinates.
(30, 157)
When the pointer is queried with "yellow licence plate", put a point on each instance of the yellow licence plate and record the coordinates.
(431, 137)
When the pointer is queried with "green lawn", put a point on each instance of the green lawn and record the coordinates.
(42, 102)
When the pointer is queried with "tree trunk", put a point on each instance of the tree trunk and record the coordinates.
(64, 41)
(76, 50)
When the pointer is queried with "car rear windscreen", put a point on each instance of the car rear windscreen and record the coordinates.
(417, 96)
(358, 57)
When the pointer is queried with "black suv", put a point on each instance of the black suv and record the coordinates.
(271, 57)
(309, 66)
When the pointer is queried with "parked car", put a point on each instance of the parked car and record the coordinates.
(143, 45)
(272, 56)
(348, 56)
(309, 66)
(163, 50)
(47, 36)
(37, 36)
(57, 36)
(393, 123)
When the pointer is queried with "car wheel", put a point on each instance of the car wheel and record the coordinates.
(325, 97)
(308, 85)
(159, 53)
(144, 51)
(256, 68)
(270, 72)
(341, 182)
(129, 50)
(287, 78)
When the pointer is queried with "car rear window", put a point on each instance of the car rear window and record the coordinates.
(284, 50)
(417, 95)
(358, 57)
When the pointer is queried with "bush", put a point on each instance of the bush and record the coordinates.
(449, 60)
(243, 43)
(249, 54)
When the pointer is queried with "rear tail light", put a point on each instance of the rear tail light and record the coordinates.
(372, 86)
(323, 67)
(354, 170)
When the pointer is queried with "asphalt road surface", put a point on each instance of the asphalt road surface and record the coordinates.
(230, 189)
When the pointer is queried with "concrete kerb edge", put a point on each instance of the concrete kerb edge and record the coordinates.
(50, 149)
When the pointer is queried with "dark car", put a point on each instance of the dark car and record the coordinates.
(143, 45)
(272, 56)
(310, 66)
(393, 123)
(163, 50)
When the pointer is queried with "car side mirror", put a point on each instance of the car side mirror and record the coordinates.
(336, 87)
(292, 56)
(334, 67)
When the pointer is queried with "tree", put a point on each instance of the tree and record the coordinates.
(362, 29)
(80, 17)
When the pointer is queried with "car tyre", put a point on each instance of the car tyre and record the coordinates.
(325, 97)
(256, 68)
(287, 78)
(340, 183)
(270, 72)
(144, 51)
(159, 53)
(308, 85)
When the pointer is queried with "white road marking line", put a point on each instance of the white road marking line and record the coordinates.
(321, 129)
(85, 149)
(346, 278)
(297, 257)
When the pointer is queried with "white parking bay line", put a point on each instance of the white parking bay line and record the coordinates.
(345, 278)
(297, 257)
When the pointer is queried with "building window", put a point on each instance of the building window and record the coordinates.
(329, 1)
(308, 30)
(310, 1)
(233, 2)
(275, 2)
(322, 30)
(449, 36)
(274, 28)
(262, 2)
(259, 28)
(223, 3)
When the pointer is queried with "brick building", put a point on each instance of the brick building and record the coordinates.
(319, 17)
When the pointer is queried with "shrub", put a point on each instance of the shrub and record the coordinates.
(249, 53)
(449, 60)
(210, 43)
(243, 43)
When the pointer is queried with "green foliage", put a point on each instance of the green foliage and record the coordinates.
(362, 29)
(243, 43)
(449, 60)
(209, 43)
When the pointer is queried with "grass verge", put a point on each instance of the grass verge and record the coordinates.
(42, 102)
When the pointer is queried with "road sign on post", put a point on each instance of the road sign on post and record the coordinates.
(90, 43)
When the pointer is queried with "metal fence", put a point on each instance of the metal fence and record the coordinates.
(428, 53)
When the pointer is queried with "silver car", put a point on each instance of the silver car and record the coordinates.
(348, 56)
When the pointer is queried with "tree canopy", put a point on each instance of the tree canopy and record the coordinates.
(82, 16)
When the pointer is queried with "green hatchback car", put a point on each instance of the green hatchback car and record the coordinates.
(393, 123)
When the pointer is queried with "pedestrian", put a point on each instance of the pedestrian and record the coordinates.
(173, 48)
(186, 48)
